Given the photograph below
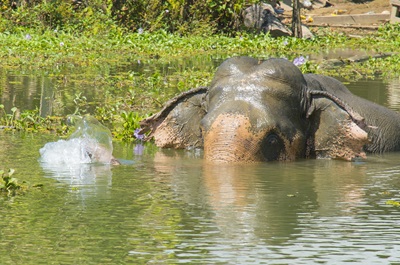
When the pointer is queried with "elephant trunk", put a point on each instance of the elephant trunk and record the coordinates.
(231, 139)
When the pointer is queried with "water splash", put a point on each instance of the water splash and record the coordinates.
(90, 143)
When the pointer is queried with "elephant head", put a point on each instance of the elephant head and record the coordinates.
(255, 112)
(258, 111)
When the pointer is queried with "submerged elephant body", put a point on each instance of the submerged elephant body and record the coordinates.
(266, 111)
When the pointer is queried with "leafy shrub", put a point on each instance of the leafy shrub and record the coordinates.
(99, 16)
(58, 15)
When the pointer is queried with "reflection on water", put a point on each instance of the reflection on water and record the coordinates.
(386, 94)
(171, 207)
(393, 88)
(61, 93)
(302, 212)
(337, 54)
(83, 178)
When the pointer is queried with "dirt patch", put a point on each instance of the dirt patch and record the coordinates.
(341, 7)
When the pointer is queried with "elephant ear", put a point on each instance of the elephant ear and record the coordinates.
(177, 125)
(336, 130)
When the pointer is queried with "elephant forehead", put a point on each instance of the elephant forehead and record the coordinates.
(253, 97)
(249, 69)
(246, 98)
(256, 87)
(261, 115)
(273, 68)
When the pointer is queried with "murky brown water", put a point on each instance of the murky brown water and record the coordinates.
(170, 207)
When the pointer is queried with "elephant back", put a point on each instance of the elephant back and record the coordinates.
(327, 83)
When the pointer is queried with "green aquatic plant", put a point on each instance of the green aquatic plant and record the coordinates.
(8, 184)
(81, 104)
(31, 121)
(385, 67)
(8, 120)
(58, 50)
(11, 186)
(393, 203)
(130, 124)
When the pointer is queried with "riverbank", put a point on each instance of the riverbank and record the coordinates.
(55, 50)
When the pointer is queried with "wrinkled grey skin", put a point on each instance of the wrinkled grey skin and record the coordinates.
(262, 111)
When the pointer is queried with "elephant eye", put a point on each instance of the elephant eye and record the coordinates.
(272, 147)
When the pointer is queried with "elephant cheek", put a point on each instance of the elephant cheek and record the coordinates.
(231, 139)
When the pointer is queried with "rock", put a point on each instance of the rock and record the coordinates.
(262, 17)
(306, 32)
(307, 4)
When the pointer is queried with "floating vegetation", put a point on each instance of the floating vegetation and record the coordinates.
(9, 185)
(393, 203)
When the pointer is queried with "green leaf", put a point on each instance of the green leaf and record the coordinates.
(11, 172)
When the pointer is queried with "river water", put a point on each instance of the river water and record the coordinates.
(171, 207)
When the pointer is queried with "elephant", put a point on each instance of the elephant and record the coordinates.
(268, 110)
